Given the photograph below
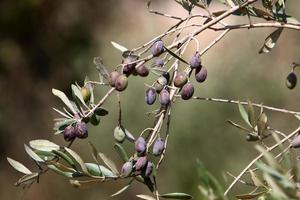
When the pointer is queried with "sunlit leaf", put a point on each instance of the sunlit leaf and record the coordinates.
(78, 159)
(262, 123)
(65, 157)
(249, 196)
(32, 154)
(64, 98)
(118, 46)
(60, 172)
(109, 163)
(43, 145)
(176, 195)
(122, 189)
(99, 170)
(146, 197)
(244, 114)
(18, 166)
(78, 94)
(270, 41)
(27, 179)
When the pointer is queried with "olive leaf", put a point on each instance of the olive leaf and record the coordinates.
(109, 163)
(250, 196)
(146, 197)
(244, 114)
(18, 166)
(270, 41)
(32, 154)
(119, 47)
(121, 151)
(122, 189)
(27, 179)
(100, 67)
(99, 170)
(43, 145)
(78, 94)
(175, 56)
(64, 98)
(78, 159)
(60, 172)
(176, 195)
(65, 157)
(262, 123)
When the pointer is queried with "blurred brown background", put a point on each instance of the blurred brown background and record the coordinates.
(50, 44)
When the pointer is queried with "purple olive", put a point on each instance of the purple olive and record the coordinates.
(129, 67)
(201, 74)
(121, 83)
(142, 71)
(157, 48)
(126, 169)
(69, 133)
(158, 147)
(150, 96)
(296, 142)
(164, 97)
(187, 91)
(140, 146)
(195, 61)
(141, 163)
(159, 62)
(180, 79)
(81, 130)
(149, 169)
(112, 78)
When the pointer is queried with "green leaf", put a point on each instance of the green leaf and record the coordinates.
(121, 151)
(118, 46)
(146, 197)
(65, 157)
(64, 98)
(61, 125)
(43, 145)
(32, 154)
(268, 156)
(99, 170)
(45, 155)
(109, 163)
(78, 159)
(176, 195)
(101, 111)
(270, 41)
(60, 172)
(239, 126)
(175, 56)
(251, 114)
(250, 196)
(122, 189)
(18, 166)
(244, 114)
(256, 181)
(78, 94)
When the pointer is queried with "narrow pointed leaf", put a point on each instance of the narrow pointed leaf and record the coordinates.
(262, 123)
(43, 145)
(18, 166)
(64, 98)
(244, 114)
(121, 151)
(27, 179)
(119, 47)
(100, 67)
(250, 196)
(270, 41)
(146, 197)
(99, 170)
(60, 172)
(122, 189)
(78, 159)
(176, 195)
(78, 94)
(109, 163)
(175, 56)
(65, 157)
(32, 154)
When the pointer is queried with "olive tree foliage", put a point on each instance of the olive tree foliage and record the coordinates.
(266, 176)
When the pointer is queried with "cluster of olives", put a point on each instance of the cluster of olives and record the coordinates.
(139, 163)
(79, 130)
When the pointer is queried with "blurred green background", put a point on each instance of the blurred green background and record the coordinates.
(51, 44)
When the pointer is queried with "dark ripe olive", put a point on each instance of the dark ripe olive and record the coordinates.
(157, 48)
(187, 91)
(252, 138)
(121, 83)
(158, 147)
(119, 134)
(201, 74)
(81, 130)
(180, 79)
(195, 61)
(141, 163)
(95, 120)
(126, 169)
(291, 80)
(142, 71)
(129, 67)
(159, 62)
(140, 146)
(164, 97)
(112, 78)
(150, 96)
(85, 93)
(69, 133)
(149, 169)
